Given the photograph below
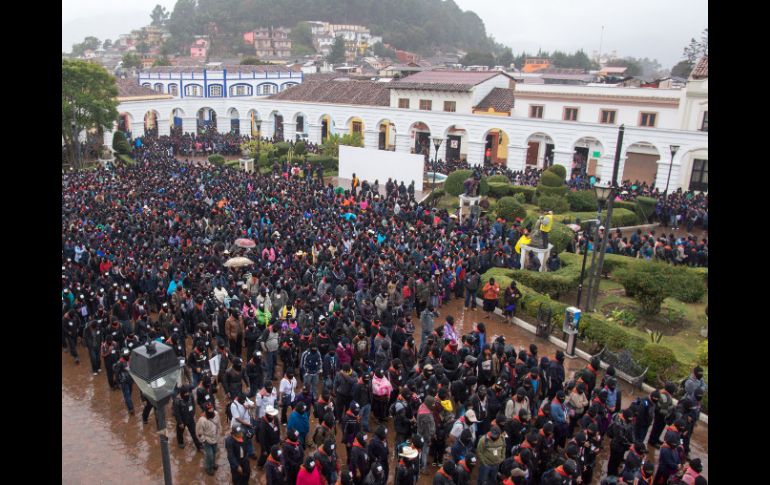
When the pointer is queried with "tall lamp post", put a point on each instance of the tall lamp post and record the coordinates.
(674, 149)
(436, 143)
(76, 147)
(155, 369)
(602, 192)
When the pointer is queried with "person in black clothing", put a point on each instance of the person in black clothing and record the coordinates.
(464, 469)
(275, 472)
(445, 474)
(326, 455)
(377, 449)
(255, 373)
(621, 432)
(184, 413)
(556, 374)
(292, 455)
(92, 336)
(70, 328)
(205, 394)
(236, 456)
(359, 459)
(233, 378)
(268, 433)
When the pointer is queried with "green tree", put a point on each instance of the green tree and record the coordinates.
(255, 148)
(682, 69)
(301, 40)
(89, 43)
(632, 68)
(107, 43)
(337, 53)
(252, 61)
(183, 24)
(380, 50)
(131, 60)
(505, 59)
(162, 61)
(159, 16)
(89, 100)
(478, 59)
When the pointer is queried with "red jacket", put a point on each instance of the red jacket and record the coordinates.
(305, 478)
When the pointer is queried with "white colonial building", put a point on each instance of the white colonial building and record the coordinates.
(478, 116)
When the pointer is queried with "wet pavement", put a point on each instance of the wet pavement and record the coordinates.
(103, 444)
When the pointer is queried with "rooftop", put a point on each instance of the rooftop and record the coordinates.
(701, 70)
(499, 99)
(230, 69)
(129, 88)
(471, 78)
(367, 93)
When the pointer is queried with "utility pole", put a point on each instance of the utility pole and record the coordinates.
(608, 227)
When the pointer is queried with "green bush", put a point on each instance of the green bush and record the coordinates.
(581, 200)
(646, 207)
(509, 209)
(601, 333)
(435, 195)
(552, 191)
(623, 204)
(282, 148)
(620, 218)
(126, 159)
(527, 190)
(649, 284)
(661, 361)
(499, 190)
(217, 160)
(551, 179)
(120, 144)
(687, 285)
(519, 197)
(299, 148)
(560, 236)
(558, 205)
(327, 162)
(559, 170)
(499, 179)
(453, 185)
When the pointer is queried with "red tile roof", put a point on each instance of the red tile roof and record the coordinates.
(701, 70)
(367, 93)
(230, 68)
(128, 88)
(451, 77)
(499, 99)
(430, 86)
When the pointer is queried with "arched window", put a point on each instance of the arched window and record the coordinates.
(173, 90)
(287, 85)
(193, 90)
(268, 89)
(240, 90)
(215, 90)
(158, 87)
(147, 85)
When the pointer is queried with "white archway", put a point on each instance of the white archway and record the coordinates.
(495, 146)
(235, 121)
(640, 162)
(586, 152)
(419, 132)
(386, 135)
(540, 148)
(207, 120)
(151, 123)
(301, 129)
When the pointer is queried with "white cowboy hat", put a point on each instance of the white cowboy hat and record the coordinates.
(408, 452)
(271, 411)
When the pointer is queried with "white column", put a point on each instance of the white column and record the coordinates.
(563, 158)
(371, 139)
(662, 175)
(517, 157)
(314, 135)
(289, 128)
(403, 143)
(244, 126)
(268, 127)
(137, 129)
(164, 129)
(189, 124)
(475, 152)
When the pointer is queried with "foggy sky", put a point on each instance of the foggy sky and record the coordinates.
(654, 28)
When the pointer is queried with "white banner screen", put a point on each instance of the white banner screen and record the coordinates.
(372, 164)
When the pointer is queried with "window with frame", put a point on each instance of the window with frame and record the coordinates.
(356, 125)
(570, 114)
(403, 103)
(173, 89)
(158, 87)
(300, 124)
(608, 116)
(648, 119)
(239, 90)
(192, 90)
(704, 126)
(426, 104)
(215, 91)
(266, 89)
(536, 111)
(450, 106)
(699, 179)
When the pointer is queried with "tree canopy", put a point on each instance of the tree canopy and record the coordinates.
(88, 99)
(159, 16)
(89, 43)
(337, 53)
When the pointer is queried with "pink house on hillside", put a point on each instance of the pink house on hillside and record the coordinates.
(199, 48)
(248, 38)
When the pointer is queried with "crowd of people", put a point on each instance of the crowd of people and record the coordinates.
(337, 283)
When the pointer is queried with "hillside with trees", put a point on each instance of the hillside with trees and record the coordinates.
(422, 26)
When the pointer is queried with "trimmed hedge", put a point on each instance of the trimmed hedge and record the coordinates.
(509, 209)
(120, 144)
(126, 159)
(600, 332)
(217, 160)
(661, 361)
(558, 205)
(553, 191)
(453, 185)
(646, 207)
(582, 200)
(521, 198)
(620, 218)
(499, 189)
(551, 179)
(435, 195)
(499, 179)
(624, 204)
(559, 170)
(527, 190)
(327, 162)
(282, 148)
(299, 148)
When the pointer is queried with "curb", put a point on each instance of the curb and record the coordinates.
(580, 353)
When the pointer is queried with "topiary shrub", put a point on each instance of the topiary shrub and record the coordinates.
(299, 148)
(520, 197)
(661, 361)
(559, 170)
(499, 189)
(282, 148)
(327, 162)
(558, 205)
(582, 200)
(649, 284)
(217, 160)
(560, 236)
(527, 190)
(553, 191)
(620, 218)
(551, 179)
(687, 285)
(499, 179)
(602, 333)
(453, 185)
(120, 144)
(646, 206)
(623, 204)
(509, 209)
(435, 195)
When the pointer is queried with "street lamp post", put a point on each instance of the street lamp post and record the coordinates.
(155, 369)
(674, 149)
(436, 143)
(258, 123)
(76, 148)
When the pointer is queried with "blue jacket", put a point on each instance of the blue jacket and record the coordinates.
(300, 422)
(557, 413)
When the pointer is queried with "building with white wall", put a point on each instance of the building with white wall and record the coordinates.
(316, 109)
